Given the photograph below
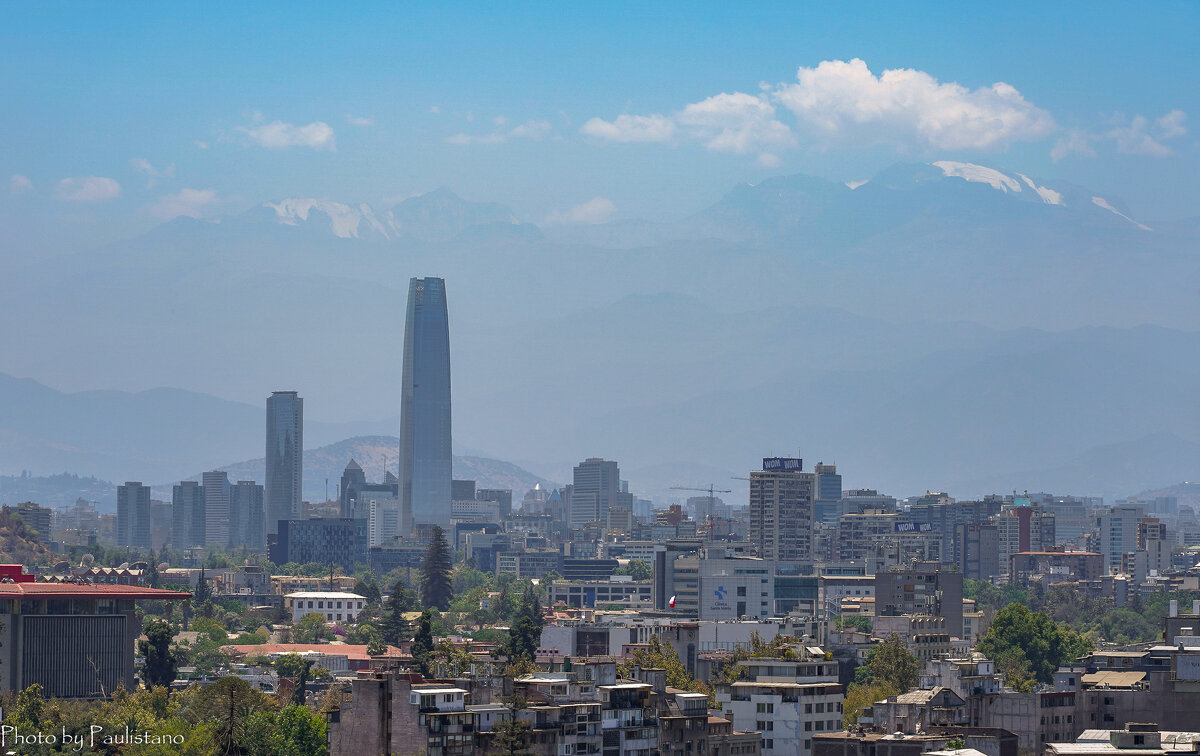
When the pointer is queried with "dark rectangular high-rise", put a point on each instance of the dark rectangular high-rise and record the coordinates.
(187, 515)
(133, 515)
(246, 516)
(285, 455)
(425, 439)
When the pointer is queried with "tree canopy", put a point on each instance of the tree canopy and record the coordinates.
(525, 628)
(1019, 636)
(890, 663)
(161, 663)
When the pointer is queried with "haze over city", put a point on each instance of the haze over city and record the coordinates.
(612, 379)
(952, 249)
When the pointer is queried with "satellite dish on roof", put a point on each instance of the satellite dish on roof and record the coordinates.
(164, 566)
(87, 560)
(62, 567)
(124, 566)
(140, 566)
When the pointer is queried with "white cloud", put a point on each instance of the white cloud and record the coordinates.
(844, 101)
(201, 145)
(142, 165)
(728, 122)
(189, 202)
(1135, 136)
(434, 109)
(19, 184)
(88, 189)
(595, 210)
(277, 135)
(631, 128)
(359, 121)
(500, 120)
(1171, 125)
(735, 122)
(1075, 142)
(535, 130)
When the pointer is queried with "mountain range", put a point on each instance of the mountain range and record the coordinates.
(942, 325)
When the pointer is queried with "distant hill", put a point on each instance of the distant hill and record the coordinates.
(1187, 493)
(18, 544)
(57, 490)
(375, 454)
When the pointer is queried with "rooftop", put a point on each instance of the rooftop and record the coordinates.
(324, 595)
(90, 590)
(350, 651)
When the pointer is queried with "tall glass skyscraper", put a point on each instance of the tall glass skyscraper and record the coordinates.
(425, 443)
(285, 454)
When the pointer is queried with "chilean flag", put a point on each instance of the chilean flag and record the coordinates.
(671, 603)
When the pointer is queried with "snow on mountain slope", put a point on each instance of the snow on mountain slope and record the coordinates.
(997, 179)
(293, 211)
(436, 216)
(1105, 204)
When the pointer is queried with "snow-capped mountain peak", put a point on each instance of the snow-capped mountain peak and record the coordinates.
(436, 216)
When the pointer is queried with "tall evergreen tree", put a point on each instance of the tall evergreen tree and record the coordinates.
(394, 628)
(151, 577)
(525, 628)
(300, 689)
(436, 588)
(203, 592)
(512, 734)
(161, 664)
(422, 644)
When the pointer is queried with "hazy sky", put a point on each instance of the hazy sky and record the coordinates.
(119, 115)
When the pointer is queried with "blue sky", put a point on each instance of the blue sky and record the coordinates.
(118, 116)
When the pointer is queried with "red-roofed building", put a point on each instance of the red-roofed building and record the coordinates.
(356, 656)
(75, 640)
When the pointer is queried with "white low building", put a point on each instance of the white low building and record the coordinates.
(335, 606)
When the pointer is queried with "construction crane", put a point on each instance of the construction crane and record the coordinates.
(712, 491)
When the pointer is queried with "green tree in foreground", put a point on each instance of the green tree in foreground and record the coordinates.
(311, 628)
(637, 569)
(860, 696)
(659, 655)
(1018, 633)
(436, 588)
(891, 663)
(395, 629)
(513, 734)
(161, 664)
(525, 631)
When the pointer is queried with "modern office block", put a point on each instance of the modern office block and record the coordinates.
(426, 457)
(133, 515)
(187, 515)
(595, 489)
(248, 516)
(781, 510)
(285, 455)
(216, 507)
